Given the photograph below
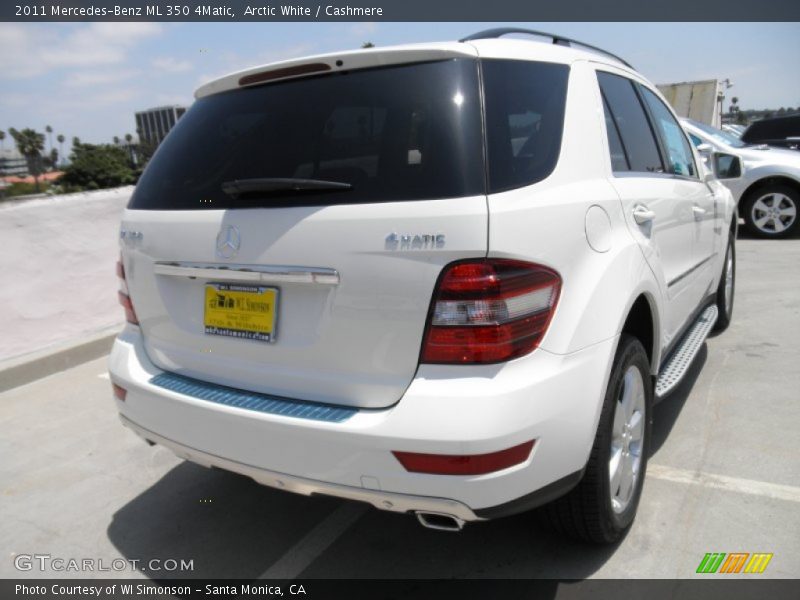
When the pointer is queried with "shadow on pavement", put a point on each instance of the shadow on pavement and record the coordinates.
(226, 523)
(246, 528)
(666, 412)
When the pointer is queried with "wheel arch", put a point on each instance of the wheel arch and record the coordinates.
(642, 322)
(766, 181)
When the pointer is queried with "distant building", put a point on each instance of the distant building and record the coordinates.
(698, 100)
(154, 124)
(12, 163)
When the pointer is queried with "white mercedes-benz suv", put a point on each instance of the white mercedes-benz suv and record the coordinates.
(443, 279)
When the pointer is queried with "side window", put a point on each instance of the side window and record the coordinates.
(695, 140)
(679, 153)
(525, 103)
(632, 124)
(619, 160)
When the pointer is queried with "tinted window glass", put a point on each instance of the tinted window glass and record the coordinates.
(397, 133)
(524, 120)
(679, 154)
(634, 128)
(619, 161)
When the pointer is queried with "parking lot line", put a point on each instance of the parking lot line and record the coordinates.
(723, 482)
(315, 542)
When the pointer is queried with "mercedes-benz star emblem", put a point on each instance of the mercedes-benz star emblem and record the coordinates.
(228, 241)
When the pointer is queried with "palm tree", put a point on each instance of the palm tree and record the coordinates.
(76, 141)
(30, 144)
(61, 140)
(734, 104)
(128, 140)
(49, 131)
(116, 140)
(2, 140)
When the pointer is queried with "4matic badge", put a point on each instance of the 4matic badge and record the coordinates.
(408, 241)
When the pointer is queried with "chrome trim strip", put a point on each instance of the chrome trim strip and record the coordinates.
(690, 271)
(390, 501)
(249, 273)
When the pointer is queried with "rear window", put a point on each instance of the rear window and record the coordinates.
(525, 104)
(411, 132)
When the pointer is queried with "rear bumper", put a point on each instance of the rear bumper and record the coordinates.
(552, 399)
(383, 500)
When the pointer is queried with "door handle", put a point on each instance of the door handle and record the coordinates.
(698, 212)
(642, 214)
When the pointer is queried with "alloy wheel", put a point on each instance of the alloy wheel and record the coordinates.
(773, 213)
(627, 437)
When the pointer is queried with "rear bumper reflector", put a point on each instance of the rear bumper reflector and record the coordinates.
(468, 464)
(264, 403)
(119, 392)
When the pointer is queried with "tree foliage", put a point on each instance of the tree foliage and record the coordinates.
(97, 166)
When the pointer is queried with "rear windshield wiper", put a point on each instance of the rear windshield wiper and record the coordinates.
(239, 187)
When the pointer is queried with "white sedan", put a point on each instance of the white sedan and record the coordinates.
(765, 181)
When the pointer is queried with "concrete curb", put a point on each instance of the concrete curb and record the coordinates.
(35, 365)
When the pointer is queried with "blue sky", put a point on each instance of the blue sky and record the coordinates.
(87, 79)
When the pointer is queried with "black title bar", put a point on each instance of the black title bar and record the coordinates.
(399, 10)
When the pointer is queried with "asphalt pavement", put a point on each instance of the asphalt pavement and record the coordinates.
(724, 476)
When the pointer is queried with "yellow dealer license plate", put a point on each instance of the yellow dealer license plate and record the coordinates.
(241, 311)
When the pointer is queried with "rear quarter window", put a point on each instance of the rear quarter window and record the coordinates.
(525, 103)
(628, 114)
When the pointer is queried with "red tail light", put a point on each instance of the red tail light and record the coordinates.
(124, 298)
(471, 464)
(489, 311)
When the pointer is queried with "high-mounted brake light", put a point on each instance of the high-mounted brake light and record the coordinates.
(265, 76)
(489, 311)
(123, 295)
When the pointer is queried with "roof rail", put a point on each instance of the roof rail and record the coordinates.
(557, 39)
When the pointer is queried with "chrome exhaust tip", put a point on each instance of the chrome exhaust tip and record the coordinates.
(440, 521)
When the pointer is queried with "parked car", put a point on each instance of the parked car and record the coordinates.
(734, 129)
(765, 181)
(783, 132)
(424, 277)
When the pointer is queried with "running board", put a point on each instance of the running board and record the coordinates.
(681, 358)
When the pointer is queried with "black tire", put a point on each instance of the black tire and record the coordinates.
(790, 197)
(586, 512)
(725, 308)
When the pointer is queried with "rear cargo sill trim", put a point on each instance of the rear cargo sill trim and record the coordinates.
(249, 273)
(264, 403)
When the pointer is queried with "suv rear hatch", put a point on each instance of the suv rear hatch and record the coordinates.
(287, 237)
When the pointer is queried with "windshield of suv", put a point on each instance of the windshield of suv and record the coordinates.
(717, 134)
(408, 132)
